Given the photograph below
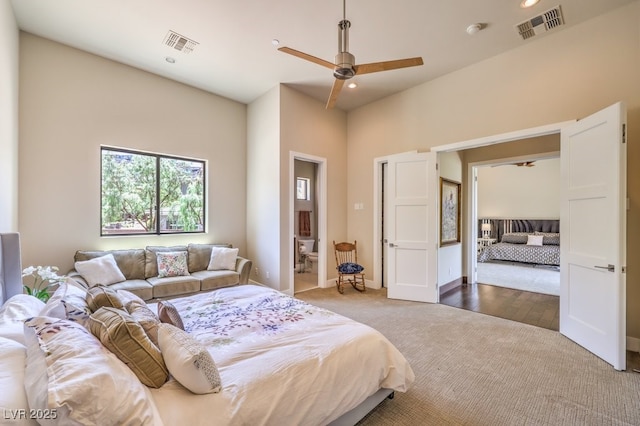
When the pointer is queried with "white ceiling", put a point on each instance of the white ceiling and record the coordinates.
(236, 59)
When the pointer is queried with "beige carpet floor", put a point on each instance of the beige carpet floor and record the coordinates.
(473, 369)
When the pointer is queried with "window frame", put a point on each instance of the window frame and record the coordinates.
(157, 157)
(307, 188)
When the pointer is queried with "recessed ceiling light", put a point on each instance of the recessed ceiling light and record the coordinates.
(275, 42)
(352, 85)
(170, 60)
(528, 3)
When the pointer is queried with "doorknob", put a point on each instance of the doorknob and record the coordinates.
(609, 267)
(391, 245)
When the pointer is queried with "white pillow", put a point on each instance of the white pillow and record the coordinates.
(534, 240)
(188, 360)
(13, 399)
(100, 270)
(69, 371)
(68, 302)
(13, 313)
(222, 258)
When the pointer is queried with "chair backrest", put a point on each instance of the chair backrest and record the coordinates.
(10, 266)
(346, 252)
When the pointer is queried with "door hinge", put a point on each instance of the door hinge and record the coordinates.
(624, 132)
(436, 166)
(624, 269)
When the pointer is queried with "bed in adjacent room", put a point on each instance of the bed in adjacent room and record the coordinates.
(247, 355)
(523, 240)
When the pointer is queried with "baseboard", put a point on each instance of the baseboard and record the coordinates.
(633, 344)
(451, 285)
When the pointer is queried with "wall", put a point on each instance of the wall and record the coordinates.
(71, 102)
(509, 191)
(263, 188)
(9, 58)
(563, 76)
(450, 256)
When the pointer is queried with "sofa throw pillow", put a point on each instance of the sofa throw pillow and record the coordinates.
(125, 337)
(534, 240)
(167, 313)
(223, 258)
(350, 268)
(100, 296)
(68, 370)
(100, 270)
(188, 360)
(172, 263)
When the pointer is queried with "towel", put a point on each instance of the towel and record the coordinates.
(304, 223)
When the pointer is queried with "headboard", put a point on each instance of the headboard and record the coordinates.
(10, 266)
(503, 226)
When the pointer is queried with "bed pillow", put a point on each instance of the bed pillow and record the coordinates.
(69, 301)
(146, 318)
(167, 313)
(515, 237)
(222, 258)
(172, 264)
(13, 399)
(550, 238)
(13, 313)
(100, 296)
(188, 360)
(122, 335)
(100, 270)
(534, 240)
(126, 296)
(69, 373)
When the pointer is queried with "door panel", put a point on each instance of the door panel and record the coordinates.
(410, 221)
(593, 234)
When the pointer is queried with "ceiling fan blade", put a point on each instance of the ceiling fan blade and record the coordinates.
(387, 65)
(307, 57)
(335, 91)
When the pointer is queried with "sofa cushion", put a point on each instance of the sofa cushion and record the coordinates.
(151, 263)
(174, 286)
(200, 255)
(131, 262)
(140, 288)
(210, 280)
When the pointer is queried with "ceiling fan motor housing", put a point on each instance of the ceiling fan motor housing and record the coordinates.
(344, 66)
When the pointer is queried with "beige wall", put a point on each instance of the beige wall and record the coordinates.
(71, 102)
(562, 76)
(9, 58)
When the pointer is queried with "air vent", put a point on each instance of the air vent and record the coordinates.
(180, 42)
(540, 24)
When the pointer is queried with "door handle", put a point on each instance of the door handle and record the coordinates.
(391, 245)
(609, 267)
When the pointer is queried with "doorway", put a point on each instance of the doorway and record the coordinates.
(307, 231)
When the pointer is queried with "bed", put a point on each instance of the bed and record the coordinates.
(279, 361)
(523, 240)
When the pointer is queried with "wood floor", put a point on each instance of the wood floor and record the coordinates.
(541, 310)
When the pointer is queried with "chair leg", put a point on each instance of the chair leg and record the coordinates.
(340, 285)
(357, 282)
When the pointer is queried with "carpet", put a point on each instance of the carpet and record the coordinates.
(538, 279)
(474, 369)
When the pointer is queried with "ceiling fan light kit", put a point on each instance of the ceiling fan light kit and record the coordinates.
(344, 66)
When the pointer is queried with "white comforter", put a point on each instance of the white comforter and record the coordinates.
(281, 361)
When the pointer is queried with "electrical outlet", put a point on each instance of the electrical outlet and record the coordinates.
(257, 271)
(267, 275)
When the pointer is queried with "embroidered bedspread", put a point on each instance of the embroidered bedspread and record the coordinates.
(281, 361)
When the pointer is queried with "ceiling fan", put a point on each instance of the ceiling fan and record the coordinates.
(345, 67)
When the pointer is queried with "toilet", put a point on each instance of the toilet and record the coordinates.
(306, 246)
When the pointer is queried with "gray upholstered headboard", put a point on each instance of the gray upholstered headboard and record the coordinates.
(502, 226)
(10, 266)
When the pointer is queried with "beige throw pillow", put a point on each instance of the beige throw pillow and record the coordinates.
(169, 314)
(188, 360)
(100, 296)
(122, 335)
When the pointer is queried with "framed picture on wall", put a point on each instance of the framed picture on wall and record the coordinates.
(449, 212)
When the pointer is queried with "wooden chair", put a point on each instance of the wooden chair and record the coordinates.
(347, 265)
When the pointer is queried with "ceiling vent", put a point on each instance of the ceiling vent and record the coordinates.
(540, 24)
(180, 42)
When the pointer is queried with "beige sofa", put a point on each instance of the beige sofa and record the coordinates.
(139, 266)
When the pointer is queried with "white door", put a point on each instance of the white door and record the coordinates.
(412, 225)
(593, 234)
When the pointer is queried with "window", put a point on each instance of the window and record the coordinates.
(144, 193)
(302, 189)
